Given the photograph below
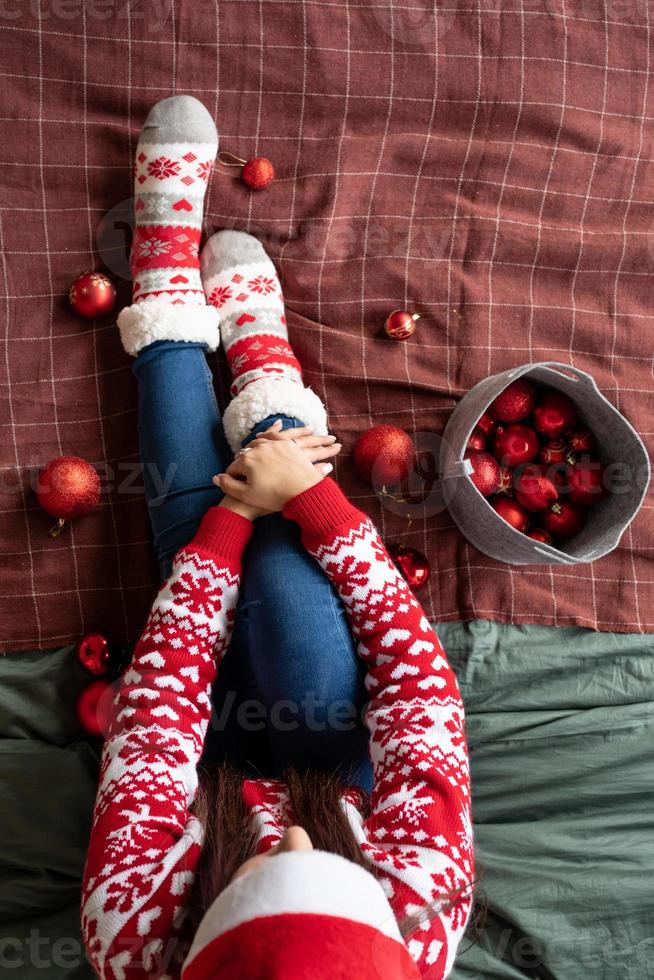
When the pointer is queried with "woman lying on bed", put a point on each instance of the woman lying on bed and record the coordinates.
(282, 851)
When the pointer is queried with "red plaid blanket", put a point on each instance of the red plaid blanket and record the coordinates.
(488, 165)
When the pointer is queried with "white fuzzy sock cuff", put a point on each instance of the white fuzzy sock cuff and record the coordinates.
(270, 396)
(143, 323)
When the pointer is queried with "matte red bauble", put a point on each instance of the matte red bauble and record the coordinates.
(487, 424)
(586, 482)
(400, 324)
(563, 519)
(512, 512)
(94, 708)
(514, 403)
(538, 534)
(553, 451)
(68, 487)
(92, 295)
(384, 455)
(516, 444)
(412, 565)
(258, 173)
(581, 441)
(485, 472)
(476, 440)
(554, 414)
(94, 655)
(534, 491)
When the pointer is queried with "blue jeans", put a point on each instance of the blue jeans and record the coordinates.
(290, 688)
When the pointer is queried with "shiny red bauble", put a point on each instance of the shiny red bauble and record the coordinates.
(384, 455)
(538, 534)
(581, 441)
(487, 424)
(412, 565)
(485, 472)
(553, 451)
(258, 173)
(586, 484)
(94, 655)
(514, 403)
(512, 512)
(92, 295)
(68, 487)
(400, 324)
(94, 708)
(533, 490)
(554, 414)
(476, 440)
(516, 444)
(563, 519)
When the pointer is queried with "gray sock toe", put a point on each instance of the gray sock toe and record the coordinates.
(229, 248)
(179, 119)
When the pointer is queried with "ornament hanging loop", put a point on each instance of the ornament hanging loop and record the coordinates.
(229, 160)
(57, 528)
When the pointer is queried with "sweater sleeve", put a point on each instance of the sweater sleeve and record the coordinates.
(144, 842)
(419, 832)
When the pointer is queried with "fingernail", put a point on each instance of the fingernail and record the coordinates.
(327, 468)
(276, 425)
(216, 479)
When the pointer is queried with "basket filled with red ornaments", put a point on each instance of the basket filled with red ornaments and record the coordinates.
(538, 467)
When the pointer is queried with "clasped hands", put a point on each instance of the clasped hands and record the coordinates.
(275, 467)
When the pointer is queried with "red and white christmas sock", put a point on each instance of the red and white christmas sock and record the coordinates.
(241, 282)
(174, 157)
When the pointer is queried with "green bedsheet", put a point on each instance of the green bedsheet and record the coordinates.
(561, 731)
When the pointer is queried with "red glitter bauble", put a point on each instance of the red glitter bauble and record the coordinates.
(554, 414)
(400, 324)
(487, 424)
(476, 440)
(516, 444)
(538, 534)
(581, 441)
(94, 655)
(258, 173)
(485, 472)
(92, 295)
(384, 455)
(68, 487)
(553, 451)
(586, 482)
(412, 565)
(511, 512)
(563, 519)
(534, 491)
(514, 403)
(94, 708)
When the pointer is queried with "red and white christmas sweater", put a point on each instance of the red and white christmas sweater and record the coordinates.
(145, 842)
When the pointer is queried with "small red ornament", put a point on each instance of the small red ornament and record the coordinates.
(92, 295)
(563, 519)
(534, 490)
(476, 440)
(516, 444)
(538, 534)
(384, 455)
(554, 414)
(94, 655)
(68, 487)
(581, 441)
(512, 512)
(485, 472)
(514, 403)
(412, 565)
(553, 451)
(586, 482)
(94, 708)
(258, 173)
(400, 324)
(487, 424)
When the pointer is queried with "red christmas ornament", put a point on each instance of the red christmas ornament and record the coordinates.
(485, 473)
(553, 451)
(94, 708)
(514, 403)
(258, 173)
(412, 565)
(400, 324)
(94, 655)
(487, 424)
(554, 414)
(538, 534)
(516, 444)
(581, 441)
(68, 487)
(586, 482)
(92, 295)
(384, 455)
(476, 441)
(563, 519)
(534, 491)
(512, 512)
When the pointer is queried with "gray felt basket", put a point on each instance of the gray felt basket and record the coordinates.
(617, 440)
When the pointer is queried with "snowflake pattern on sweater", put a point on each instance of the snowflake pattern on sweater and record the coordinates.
(145, 842)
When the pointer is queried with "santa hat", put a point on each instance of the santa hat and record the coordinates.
(300, 914)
